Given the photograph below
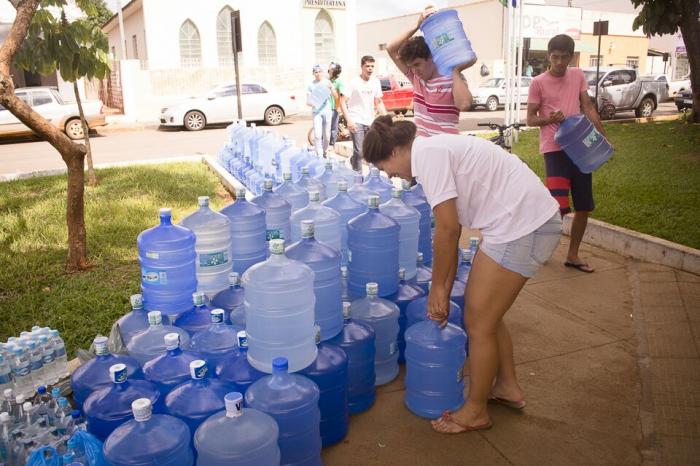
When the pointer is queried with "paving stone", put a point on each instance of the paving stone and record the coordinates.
(679, 451)
(690, 295)
(678, 420)
(660, 294)
(675, 381)
(670, 340)
(687, 277)
(661, 314)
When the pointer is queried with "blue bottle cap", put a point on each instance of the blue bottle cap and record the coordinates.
(242, 340)
(217, 316)
(234, 404)
(41, 390)
(280, 365)
(198, 369)
(63, 402)
(56, 392)
(118, 373)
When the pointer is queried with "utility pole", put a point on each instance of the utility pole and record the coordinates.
(237, 46)
(121, 30)
(600, 28)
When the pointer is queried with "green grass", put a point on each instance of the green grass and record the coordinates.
(35, 289)
(652, 183)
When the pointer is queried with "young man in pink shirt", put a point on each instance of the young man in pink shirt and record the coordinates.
(554, 95)
(437, 100)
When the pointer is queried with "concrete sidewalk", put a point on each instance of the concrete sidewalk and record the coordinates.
(608, 361)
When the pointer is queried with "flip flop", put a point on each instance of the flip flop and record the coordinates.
(447, 416)
(508, 403)
(582, 266)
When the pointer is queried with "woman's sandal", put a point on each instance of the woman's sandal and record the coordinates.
(447, 416)
(508, 403)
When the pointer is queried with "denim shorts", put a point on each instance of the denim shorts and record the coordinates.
(528, 253)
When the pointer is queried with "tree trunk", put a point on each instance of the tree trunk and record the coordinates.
(690, 30)
(75, 215)
(92, 177)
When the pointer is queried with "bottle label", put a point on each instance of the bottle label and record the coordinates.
(591, 138)
(274, 234)
(393, 347)
(152, 255)
(154, 277)
(213, 259)
(442, 40)
(37, 363)
(60, 351)
(21, 371)
(200, 372)
(48, 358)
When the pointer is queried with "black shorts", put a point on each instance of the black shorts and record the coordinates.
(563, 176)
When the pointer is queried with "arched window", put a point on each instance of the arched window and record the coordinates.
(190, 46)
(223, 37)
(324, 42)
(267, 44)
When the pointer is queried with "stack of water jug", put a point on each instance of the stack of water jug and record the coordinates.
(261, 327)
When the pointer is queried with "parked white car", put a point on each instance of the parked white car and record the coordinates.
(674, 87)
(47, 102)
(492, 93)
(220, 105)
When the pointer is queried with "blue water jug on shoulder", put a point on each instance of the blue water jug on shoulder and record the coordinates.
(415, 198)
(348, 208)
(197, 319)
(277, 213)
(237, 436)
(231, 300)
(583, 143)
(236, 370)
(292, 401)
(216, 342)
(406, 294)
(133, 322)
(150, 344)
(168, 272)
(171, 368)
(149, 439)
(248, 243)
(447, 41)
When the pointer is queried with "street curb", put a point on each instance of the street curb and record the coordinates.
(651, 119)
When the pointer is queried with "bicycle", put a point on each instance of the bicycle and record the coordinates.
(343, 132)
(504, 133)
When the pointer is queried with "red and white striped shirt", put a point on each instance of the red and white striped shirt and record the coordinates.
(434, 105)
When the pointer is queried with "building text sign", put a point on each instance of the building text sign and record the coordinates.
(545, 21)
(330, 4)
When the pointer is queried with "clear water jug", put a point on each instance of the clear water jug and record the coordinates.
(279, 304)
(319, 95)
(285, 158)
(231, 300)
(406, 294)
(375, 182)
(307, 182)
(213, 246)
(383, 316)
(237, 436)
(149, 439)
(408, 219)
(417, 311)
(359, 191)
(217, 342)
(414, 197)
(329, 178)
(248, 244)
(168, 266)
(109, 407)
(315, 165)
(325, 263)
(198, 398)
(151, 343)
(171, 368)
(297, 196)
(447, 41)
(94, 374)
(434, 364)
(348, 208)
(343, 171)
(197, 319)
(133, 322)
(326, 222)
(236, 370)
(277, 213)
(373, 248)
(583, 143)
(424, 274)
(292, 401)
(298, 161)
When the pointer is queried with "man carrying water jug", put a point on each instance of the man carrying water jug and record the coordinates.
(437, 100)
(554, 95)
(321, 111)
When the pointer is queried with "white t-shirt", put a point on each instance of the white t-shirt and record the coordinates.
(361, 95)
(496, 192)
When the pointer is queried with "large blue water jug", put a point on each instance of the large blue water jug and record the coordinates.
(231, 300)
(377, 183)
(168, 272)
(109, 407)
(383, 316)
(213, 233)
(329, 178)
(434, 364)
(457, 292)
(315, 166)
(319, 95)
(198, 398)
(408, 219)
(94, 374)
(236, 370)
(417, 311)
(292, 401)
(237, 437)
(298, 161)
(297, 196)
(583, 143)
(149, 439)
(343, 171)
(359, 191)
(447, 41)
(248, 245)
(171, 368)
(424, 274)
(326, 222)
(279, 304)
(307, 182)
(217, 342)
(133, 322)
(151, 343)
(325, 263)
(406, 294)
(330, 372)
(196, 319)
(357, 339)
(277, 213)
(373, 248)
(415, 198)
(348, 208)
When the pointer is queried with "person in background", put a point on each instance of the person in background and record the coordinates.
(528, 70)
(334, 70)
(437, 100)
(363, 99)
(321, 113)
(554, 95)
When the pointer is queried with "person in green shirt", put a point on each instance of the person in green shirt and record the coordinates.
(334, 70)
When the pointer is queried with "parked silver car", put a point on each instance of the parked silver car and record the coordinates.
(626, 90)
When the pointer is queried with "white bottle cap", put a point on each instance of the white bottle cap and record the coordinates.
(277, 246)
(19, 399)
(27, 406)
(402, 273)
(286, 176)
(346, 310)
(307, 228)
(304, 170)
(343, 185)
(203, 201)
(100, 343)
(165, 212)
(217, 316)
(373, 201)
(317, 333)
(198, 369)
(172, 340)
(198, 298)
(240, 193)
(420, 257)
(142, 409)
(372, 289)
(396, 193)
(136, 301)
(234, 404)
(4, 417)
(405, 185)
(234, 279)
(155, 318)
(117, 373)
(314, 196)
(267, 185)
(7, 393)
(242, 337)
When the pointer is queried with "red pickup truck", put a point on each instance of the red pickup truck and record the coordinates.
(397, 93)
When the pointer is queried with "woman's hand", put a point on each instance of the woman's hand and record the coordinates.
(438, 304)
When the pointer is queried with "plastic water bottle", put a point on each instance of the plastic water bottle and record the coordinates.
(277, 213)
(198, 398)
(348, 208)
(383, 316)
(135, 321)
(247, 220)
(109, 407)
(236, 370)
(297, 196)
(329, 178)
(434, 363)
(285, 158)
(447, 41)
(378, 184)
(279, 306)
(171, 368)
(359, 191)
(149, 344)
(6, 380)
(325, 263)
(197, 319)
(408, 219)
(149, 439)
(36, 364)
(216, 342)
(231, 300)
(373, 245)
(416, 199)
(406, 294)
(94, 374)
(168, 273)
(465, 265)
(424, 274)
(237, 437)
(48, 355)
(330, 372)
(582, 143)
(417, 311)
(292, 401)
(326, 221)
(307, 182)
